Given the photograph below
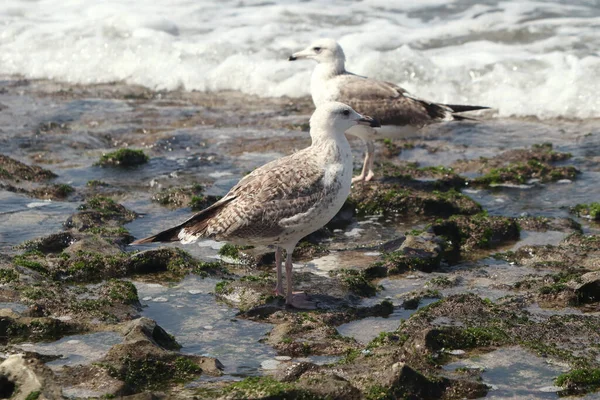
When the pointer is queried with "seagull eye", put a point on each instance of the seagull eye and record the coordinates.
(317, 49)
(346, 112)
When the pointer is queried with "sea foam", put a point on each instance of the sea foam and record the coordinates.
(524, 58)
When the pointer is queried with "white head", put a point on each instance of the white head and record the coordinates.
(323, 51)
(336, 118)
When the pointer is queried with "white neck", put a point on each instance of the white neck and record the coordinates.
(322, 73)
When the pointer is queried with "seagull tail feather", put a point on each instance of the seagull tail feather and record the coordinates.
(194, 226)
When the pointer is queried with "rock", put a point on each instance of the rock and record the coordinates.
(147, 329)
(14, 328)
(53, 243)
(587, 287)
(387, 198)
(15, 170)
(22, 378)
(481, 231)
(294, 371)
(123, 158)
(328, 386)
(98, 212)
(423, 253)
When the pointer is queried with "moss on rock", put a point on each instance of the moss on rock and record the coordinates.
(591, 211)
(123, 158)
(384, 198)
(15, 170)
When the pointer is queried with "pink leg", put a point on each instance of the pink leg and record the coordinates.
(294, 299)
(279, 287)
(367, 171)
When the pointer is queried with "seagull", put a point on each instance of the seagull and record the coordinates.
(283, 201)
(400, 113)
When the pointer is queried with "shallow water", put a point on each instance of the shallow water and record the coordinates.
(188, 311)
(76, 349)
(514, 373)
(184, 151)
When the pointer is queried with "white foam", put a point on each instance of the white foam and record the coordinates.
(521, 57)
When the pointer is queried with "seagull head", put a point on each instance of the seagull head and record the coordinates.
(322, 51)
(338, 118)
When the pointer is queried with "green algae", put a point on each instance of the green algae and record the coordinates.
(123, 158)
(591, 210)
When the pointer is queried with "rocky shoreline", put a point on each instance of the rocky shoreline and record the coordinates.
(464, 277)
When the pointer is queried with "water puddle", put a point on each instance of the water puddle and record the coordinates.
(76, 349)
(188, 311)
(514, 373)
(366, 329)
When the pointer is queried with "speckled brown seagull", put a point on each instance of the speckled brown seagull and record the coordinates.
(400, 113)
(283, 201)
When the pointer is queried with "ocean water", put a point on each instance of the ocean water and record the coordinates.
(522, 57)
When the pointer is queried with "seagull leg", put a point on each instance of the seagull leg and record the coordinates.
(367, 171)
(369, 160)
(294, 299)
(279, 287)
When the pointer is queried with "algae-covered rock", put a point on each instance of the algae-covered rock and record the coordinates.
(189, 196)
(15, 329)
(49, 244)
(14, 170)
(59, 191)
(384, 198)
(591, 211)
(123, 158)
(422, 253)
(522, 173)
(481, 231)
(100, 211)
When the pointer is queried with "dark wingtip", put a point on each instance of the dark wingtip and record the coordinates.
(375, 123)
(292, 58)
(463, 108)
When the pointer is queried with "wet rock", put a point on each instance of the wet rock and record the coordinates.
(14, 170)
(147, 329)
(100, 211)
(123, 158)
(440, 177)
(328, 386)
(181, 197)
(53, 243)
(481, 231)
(579, 381)
(15, 329)
(586, 287)
(294, 371)
(143, 365)
(522, 173)
(543, 224)
(305, 334)
(384, 198)
(59, 191)
(578, 250)
(27, 378)
(591, 211)
(423, 253)
(543, 152)
(91, 381)
(263, 388)
(248, 292)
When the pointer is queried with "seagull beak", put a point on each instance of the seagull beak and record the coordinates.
(368, 121)
(299, 55)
